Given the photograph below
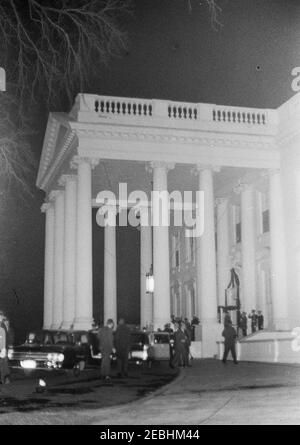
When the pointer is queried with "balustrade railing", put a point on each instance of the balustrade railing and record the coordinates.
(169, 110)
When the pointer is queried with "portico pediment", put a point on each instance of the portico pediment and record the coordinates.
(58, 142)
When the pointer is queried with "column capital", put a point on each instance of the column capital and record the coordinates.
(150, 166)
(66, 178)
(221, 200)
(76, 160)
(46, 206)
(54, 194)
(198, 168)
(242, 187)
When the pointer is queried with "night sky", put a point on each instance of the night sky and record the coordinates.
(172, 53)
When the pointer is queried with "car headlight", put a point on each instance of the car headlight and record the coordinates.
(10, 354)
(54, 357)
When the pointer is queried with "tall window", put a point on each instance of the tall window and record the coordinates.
(238, 226)
(176, 250)
(265, 214)
(189, 248)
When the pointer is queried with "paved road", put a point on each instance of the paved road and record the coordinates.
(209, 393)
(67, 398)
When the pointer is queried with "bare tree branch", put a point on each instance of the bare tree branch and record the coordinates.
(51, 49)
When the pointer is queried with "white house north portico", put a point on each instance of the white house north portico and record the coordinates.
(245, 160)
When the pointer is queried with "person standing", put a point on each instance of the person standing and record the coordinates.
(105, 337)
(188, 334)
(229, 335)
(253, 318)
(260, 321)
(122, 346)
(227, 319)
(180, 347)
(195, 322)
(244, 323)
(4, 369)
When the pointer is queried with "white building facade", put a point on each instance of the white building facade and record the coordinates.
(245, 160)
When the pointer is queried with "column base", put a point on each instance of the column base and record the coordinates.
(84, 324)
(209, 333)
(47, 326)
(67, 325)
(56, 326)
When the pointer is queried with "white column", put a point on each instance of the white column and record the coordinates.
(110, 267)
(84, 272)
(248, 300)
(58, 258)
(206, 268)
(49, 265)
(161, 262)
(146, 261)
(278, 254)
(70, 184)
(223, 261)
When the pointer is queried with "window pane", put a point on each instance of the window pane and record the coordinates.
(266, 221)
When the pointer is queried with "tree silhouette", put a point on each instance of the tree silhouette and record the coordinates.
(48, 49)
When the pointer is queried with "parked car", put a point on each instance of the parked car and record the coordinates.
(55, 350)
(149, 347)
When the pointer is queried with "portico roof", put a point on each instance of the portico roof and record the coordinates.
(128, 132)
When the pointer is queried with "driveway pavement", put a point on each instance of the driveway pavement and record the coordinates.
(208, 393)
(211, 393)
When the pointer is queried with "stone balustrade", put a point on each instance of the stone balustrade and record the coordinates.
(91, 108)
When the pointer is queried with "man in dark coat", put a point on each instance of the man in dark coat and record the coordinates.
(260, 321)
(253, 318)
(229, 335)
(188, 333)
(180, 347)
(227, 319)
(122, 346)
(105, 337)
(243, 323)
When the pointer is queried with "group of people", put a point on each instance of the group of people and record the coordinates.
(6, 340)
(184, 334)
(118, 342)
(182, 341)
(257, 321)
(230, 334)
(188, 325)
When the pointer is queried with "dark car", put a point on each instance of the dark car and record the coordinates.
(149, 347)
(54, 350)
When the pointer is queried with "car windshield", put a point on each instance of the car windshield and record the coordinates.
(60, 337)
(35, 338)
(139, 338)
(161, 338)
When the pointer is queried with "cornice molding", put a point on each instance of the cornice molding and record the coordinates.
(235, 141)
(69, 144)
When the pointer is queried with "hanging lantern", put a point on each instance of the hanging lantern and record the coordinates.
(150, 282)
